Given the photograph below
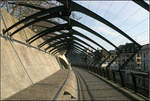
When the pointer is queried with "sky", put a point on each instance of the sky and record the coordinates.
(126, 15)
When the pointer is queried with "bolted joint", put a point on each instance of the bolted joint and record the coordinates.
(68, 27)
(65, 12)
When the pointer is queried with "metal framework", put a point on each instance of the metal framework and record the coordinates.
(69, 41)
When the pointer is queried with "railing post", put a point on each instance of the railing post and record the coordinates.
(114, 76)
(134, 81)
(121, 77)
(107, 72)
(103, 72)
(100, 71)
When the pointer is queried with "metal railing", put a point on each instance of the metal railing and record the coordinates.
(136, 81)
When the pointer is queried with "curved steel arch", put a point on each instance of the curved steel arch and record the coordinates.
(74, 46)
(53, 12)
(58, 42)
(75, 23)
(69, 41)
(142, 4)
(66, 45)
(66, 41)
(53, 38)
(77, 7)
(74, 32)
(77, 49)
(47, 31)
(84, 27)
(63, 35)
(75, 38)
(63, 40)
(63, 48)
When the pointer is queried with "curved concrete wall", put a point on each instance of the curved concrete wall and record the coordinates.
(22, 66)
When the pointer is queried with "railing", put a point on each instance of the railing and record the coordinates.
(136, 81)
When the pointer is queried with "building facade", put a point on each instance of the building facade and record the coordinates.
(145, 58)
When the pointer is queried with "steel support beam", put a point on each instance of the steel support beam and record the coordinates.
(79, 8)
(47, 31)
(75, 23)
(49, 13)
(143, 4)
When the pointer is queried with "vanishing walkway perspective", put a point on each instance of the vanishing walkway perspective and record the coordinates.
(92, 88)
(44, 59)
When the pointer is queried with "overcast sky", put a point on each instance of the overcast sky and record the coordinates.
(127, 15)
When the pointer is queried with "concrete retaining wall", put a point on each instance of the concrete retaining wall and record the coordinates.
(22, 66)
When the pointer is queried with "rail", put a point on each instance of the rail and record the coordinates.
(132, 80)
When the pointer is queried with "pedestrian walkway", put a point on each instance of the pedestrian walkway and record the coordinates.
(93, 88)
(46, 89)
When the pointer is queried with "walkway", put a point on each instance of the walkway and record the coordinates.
(47, 89)
(93, 88)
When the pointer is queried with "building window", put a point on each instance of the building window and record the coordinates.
(138, 60)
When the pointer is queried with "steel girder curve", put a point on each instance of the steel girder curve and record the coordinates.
(75, 23)
(63, 35)
(77, 7)
(95, 43)
(68, 41)
(75, 38)
(71, 42)
(74, 46)
(80, 50)
(77, 50)
(74, 52)
(66, 45)
(61, 42)
(84, 27)
(142, 4)
(74, 32)
(52, 12)
(54, 38)
(58, 42)
(65, 41)
(81, 9)
(47, 31)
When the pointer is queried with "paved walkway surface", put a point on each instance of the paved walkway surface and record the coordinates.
(93, 88)
(43, 90)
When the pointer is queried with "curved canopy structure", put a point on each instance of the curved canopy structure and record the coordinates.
(69, 41)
